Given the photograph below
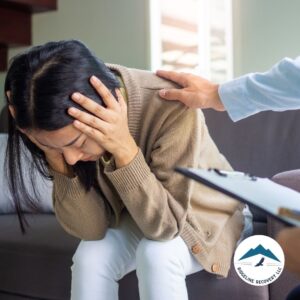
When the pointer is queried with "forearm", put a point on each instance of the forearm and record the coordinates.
(277, 90)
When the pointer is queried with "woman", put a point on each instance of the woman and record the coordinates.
(110, 145)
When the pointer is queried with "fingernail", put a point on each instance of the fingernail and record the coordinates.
(162, 93)
(94, 79)
(76, 96)
(77, 123)
(72, 110)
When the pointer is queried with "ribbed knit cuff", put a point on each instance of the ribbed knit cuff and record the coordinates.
(64, 185)
(131, 176)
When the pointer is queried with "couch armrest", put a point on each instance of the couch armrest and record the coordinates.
(287, 281)
(289, 179)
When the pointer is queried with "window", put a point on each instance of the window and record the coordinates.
(192, 36)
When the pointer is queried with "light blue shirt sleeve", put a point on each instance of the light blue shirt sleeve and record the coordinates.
(277, 89)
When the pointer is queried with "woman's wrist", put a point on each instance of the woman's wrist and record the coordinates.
(126, 155)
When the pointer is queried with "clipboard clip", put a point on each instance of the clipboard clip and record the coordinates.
(233, 174)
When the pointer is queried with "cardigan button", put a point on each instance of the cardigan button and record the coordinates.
(196, 249)
(215, 268)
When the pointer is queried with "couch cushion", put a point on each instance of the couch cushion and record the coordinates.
(43, 187)
(36, 264)
(290, 179)
(263, 145)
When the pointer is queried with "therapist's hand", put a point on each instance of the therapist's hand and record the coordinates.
(196, 92)
(289, 240)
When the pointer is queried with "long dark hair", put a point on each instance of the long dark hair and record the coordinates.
(40, 82)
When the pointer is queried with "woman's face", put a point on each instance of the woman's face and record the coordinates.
(73, 144)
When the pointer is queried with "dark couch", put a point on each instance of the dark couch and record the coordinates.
(37, 265)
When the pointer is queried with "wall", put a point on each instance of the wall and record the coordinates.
(116, 30)
(264, 32)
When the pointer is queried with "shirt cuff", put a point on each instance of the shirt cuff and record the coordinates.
(129, 177)
(233, 95)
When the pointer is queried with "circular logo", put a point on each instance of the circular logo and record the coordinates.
(259, 260)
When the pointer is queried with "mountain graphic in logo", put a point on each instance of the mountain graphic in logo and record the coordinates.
(259, 250)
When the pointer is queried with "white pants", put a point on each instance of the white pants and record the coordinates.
(161, 267)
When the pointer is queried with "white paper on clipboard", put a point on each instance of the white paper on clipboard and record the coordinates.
(261, 193)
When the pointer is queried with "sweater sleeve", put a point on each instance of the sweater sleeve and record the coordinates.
(81, 213)
(156, 196)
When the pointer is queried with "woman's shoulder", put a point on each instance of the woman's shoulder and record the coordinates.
(149, 80)
(148, 84)
(142, 78)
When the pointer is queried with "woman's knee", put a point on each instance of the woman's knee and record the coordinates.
(92, 255)
(156, 254)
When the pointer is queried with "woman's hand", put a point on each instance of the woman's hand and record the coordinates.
(196, 92)
(107, 126)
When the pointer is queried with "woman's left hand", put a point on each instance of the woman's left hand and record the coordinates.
(108, 126)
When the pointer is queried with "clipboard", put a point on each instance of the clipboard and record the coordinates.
(261, 193)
